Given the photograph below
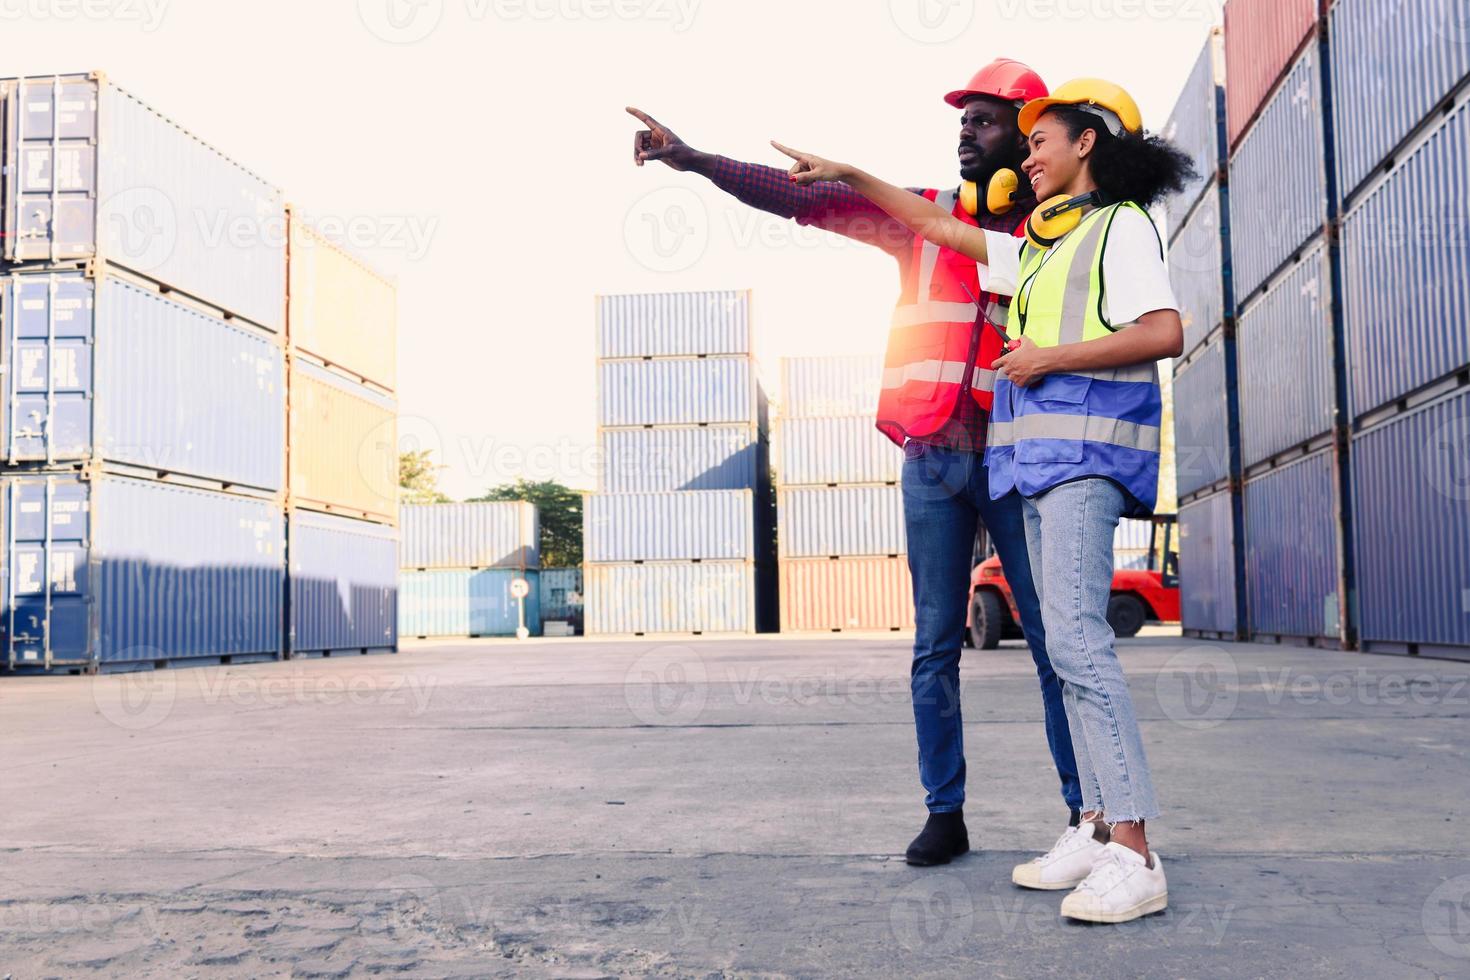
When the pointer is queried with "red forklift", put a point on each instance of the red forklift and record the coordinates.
(1143, 594)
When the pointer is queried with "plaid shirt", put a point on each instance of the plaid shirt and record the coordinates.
(838, 208)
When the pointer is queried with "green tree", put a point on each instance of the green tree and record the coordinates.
(561, 517)
(418, 478)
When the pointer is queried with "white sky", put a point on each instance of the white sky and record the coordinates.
(484, 157)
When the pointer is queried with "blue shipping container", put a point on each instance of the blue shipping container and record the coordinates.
(679, 390)
(129, 573)
(107, 368)
(846, 449)
(344, 584)
(1195, 127)
(1413, 552)
(1284, 350)
(1196, 257)
(1291, 546)
(475, 534)
(664, 324)
(1392, 63)
(683, 457)
(466, 602)
(823, 522)
(131, 187)
(842, 385)
(677, 525)
(1278, 179)
(1406, 302)
(1201, 413)
(1207, 565)
(561, 594)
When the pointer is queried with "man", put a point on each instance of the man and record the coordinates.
(935, 403)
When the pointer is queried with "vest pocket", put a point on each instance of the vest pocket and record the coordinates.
(1053, 415)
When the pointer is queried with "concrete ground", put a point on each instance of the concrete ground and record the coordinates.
(714, 808)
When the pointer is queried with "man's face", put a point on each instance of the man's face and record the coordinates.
(989, 138)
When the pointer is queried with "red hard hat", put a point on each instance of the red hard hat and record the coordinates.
(1004, 79)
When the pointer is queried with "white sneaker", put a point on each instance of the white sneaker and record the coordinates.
(1121, 888)
(1064, 866)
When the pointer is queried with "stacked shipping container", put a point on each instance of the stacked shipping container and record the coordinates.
(458, 563)
(679, 536)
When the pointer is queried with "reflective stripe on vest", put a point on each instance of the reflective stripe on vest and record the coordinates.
(949, 372)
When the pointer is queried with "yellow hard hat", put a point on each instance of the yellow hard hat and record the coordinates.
(1109, 102)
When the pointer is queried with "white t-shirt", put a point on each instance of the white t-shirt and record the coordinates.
(1137, 278)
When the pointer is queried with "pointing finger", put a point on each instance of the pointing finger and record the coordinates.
(793, 154)
(643, 117)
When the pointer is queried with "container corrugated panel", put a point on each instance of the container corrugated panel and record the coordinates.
(1195, 258)
(1193, 126)
(1405, 299)
(677, 525)
(478, 534)
(671, 597)
(135, 189)
(836, 450)
(341, 311)
(1201, 413)
(344, 584)
(1260, 38)
(1131, 542)
(676, 390)
(1207, 565)
(819, 522)
(344, 445)
(130, 571)
(664, 324)
(1413, 554)
(1392, 62)
(107, 368)
(816, 386)
(684, 457)
(561, 593)
(466, 602)
(1291, 568)
(1284, 353)
(1278, 179)
(825, 595)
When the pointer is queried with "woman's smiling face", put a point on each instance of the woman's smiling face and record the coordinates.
(1055, 160)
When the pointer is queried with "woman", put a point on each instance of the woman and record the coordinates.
(1075, 429)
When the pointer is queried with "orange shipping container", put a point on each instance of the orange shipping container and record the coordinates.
(340, 312)
(827, 594)
(343, 446)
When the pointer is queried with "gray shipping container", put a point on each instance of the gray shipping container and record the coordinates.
(476, 534)
(841, 449)
(679, 390)
(678, 525)
(1196, 255)
(131, 187)
(1291, 537)
(683, 457)
(671, 597)
(1207, 565)
(820, 522)
(561, 593)
(344, 585)
(843, 385)
(1201, 444)
(1194, 127)
(664, 324)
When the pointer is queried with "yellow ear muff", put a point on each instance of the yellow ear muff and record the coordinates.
(1056, 216)
(1000, 194)
(969, 197)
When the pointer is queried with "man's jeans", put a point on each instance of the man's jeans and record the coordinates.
(1069, 531)
(946, 495)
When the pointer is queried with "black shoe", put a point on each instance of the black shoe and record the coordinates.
(943, 838)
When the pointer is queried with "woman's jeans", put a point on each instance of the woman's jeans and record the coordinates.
(946, 495)
(1069, 531)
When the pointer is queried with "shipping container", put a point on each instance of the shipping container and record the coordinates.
(1196, 258)
(344, 445)
(344, 585)
(1285, 354)
(1278, 179)
(1406, 301)
(829, 595)
(672, 597)
(341, 312)
(1411, 524)
(837, 449)
(116, 573)
(1393, 63)
(467, 602)
(1194, 127)
(1131, 543)
(1201, 419)
(131, 187)
(669, 324)
(676, 525)
(679, 390)
(1207, 573)
(561, 594)
(820, 522)
(844, 385)
(104, 367)
(1292, 521)
(477, 534)
(1261, 38)
(683, 457)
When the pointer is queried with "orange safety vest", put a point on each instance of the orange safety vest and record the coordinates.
(939, 348)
